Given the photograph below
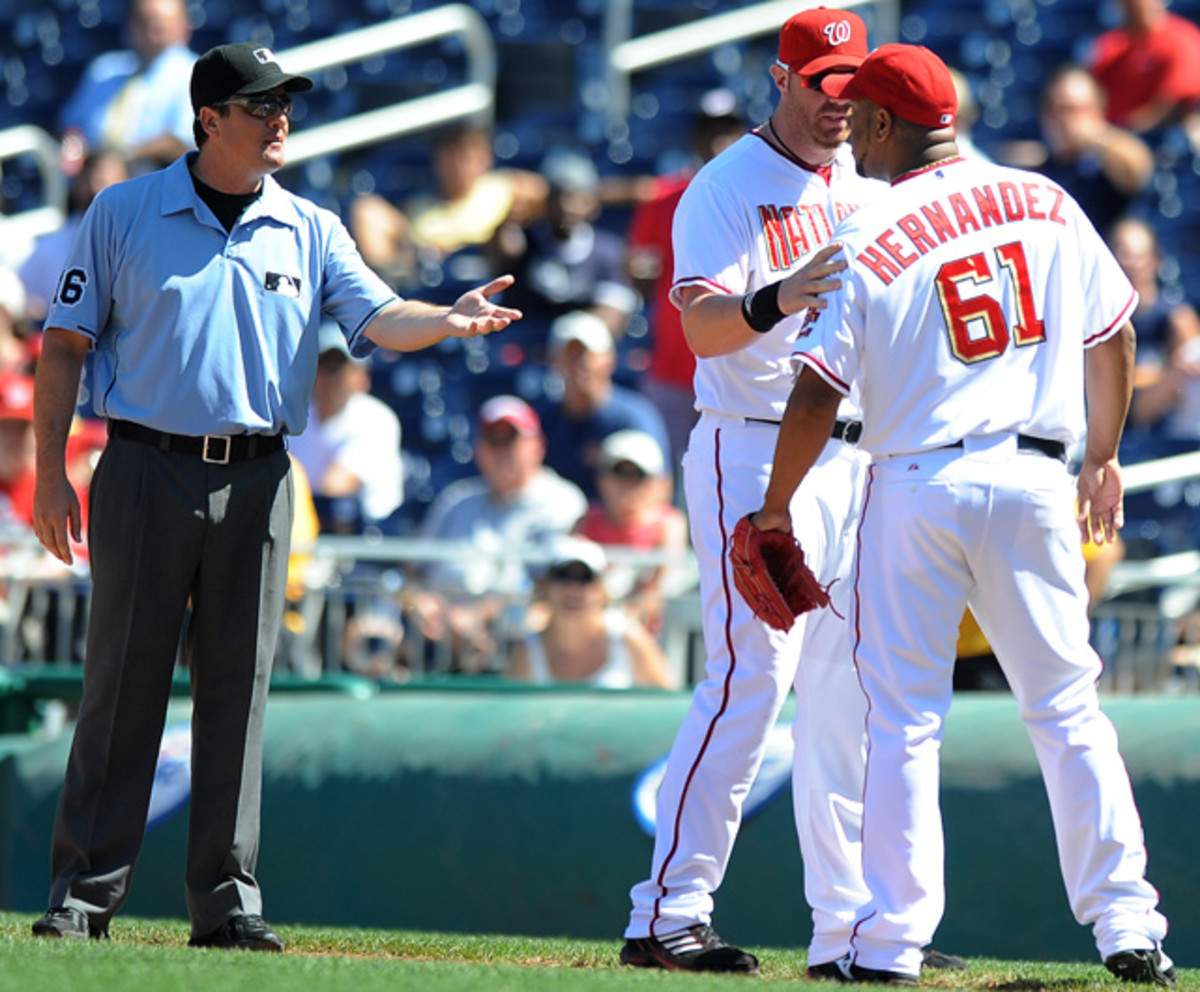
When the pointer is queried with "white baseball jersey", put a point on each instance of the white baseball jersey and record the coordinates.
(971, 293)
(973, 358)
(740, 226)
(747, 219)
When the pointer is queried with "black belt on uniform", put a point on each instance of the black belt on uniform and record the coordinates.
(843, 430)
(216, 449)
(847, 430)
(1027, 442)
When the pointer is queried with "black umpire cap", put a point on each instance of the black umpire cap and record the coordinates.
(242, 69)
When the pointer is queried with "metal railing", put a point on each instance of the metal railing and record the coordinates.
(1180, 570)
(358, 612)
(628, 55)
(26, 139)
(473, 99)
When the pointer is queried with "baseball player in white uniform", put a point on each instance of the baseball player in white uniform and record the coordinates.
(749, 259)
(972, 295)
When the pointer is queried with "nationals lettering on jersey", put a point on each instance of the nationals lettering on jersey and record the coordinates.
(747, 219)
(792, 232)
(1024, 284)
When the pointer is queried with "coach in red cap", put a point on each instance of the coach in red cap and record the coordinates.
(985, 326)
(895, 86)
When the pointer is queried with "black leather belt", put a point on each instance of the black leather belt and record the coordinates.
(1027, 442)
(847, 430)
(843, 430)
(216, 449)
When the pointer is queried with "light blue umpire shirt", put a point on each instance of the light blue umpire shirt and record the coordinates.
(196, 331)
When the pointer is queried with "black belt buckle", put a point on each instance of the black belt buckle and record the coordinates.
(208, 452)
(848, 431)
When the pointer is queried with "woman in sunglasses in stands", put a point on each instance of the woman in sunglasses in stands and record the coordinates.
(586, 640)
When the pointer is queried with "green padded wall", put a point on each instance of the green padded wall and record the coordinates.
(510, 812)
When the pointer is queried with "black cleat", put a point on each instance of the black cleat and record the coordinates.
(698, 948)
(942, 962)
(877, 976)
(1150, 967)
(69, 922)
(831, 971)
(241, 933)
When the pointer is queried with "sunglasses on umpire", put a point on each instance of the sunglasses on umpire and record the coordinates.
(262, 107)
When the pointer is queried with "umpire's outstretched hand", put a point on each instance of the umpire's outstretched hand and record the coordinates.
(474, 313)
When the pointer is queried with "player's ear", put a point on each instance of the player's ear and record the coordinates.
(883, 122)
(780, 75)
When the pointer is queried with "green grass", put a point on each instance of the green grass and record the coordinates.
(152, 956)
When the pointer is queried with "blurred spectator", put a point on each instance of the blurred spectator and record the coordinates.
(563, 261)
(41, 269)
(635, 511)
(20, 554)
(17, 453)
(515, 504)
(1150, 69)
(650, 261)
(586, 640)
(350, 449)
(1101, 165)
(592, 406)
(968, 114)
(137, 100)
(472, 199)
(1164, 417)
(18, 345)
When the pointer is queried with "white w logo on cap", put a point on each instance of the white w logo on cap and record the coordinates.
(838, 32)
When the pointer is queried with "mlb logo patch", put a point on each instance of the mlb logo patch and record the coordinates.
(264, 55)
(284, 285)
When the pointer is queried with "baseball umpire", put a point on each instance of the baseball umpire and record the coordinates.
(200, 289)
(978, 308)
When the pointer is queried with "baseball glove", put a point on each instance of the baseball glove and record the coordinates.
(770, 573)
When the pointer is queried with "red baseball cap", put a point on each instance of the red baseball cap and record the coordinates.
(819, 39)
(909, 80)
(510, 410)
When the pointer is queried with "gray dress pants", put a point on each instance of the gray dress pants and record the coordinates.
(169, 531)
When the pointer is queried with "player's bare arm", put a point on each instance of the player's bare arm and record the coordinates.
(56, 514)
(409, 325)
(716, 323)
(807, 423)
(1109, 371)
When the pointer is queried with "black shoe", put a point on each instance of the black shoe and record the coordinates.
(698, 948)
(943, 962)
(1151, 967)
(831, 971)
(876, 976)
(241, 933)
(66, 921)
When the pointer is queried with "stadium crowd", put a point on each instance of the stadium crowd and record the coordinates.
(572, 422)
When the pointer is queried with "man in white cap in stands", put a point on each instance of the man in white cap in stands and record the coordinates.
(592, 405)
